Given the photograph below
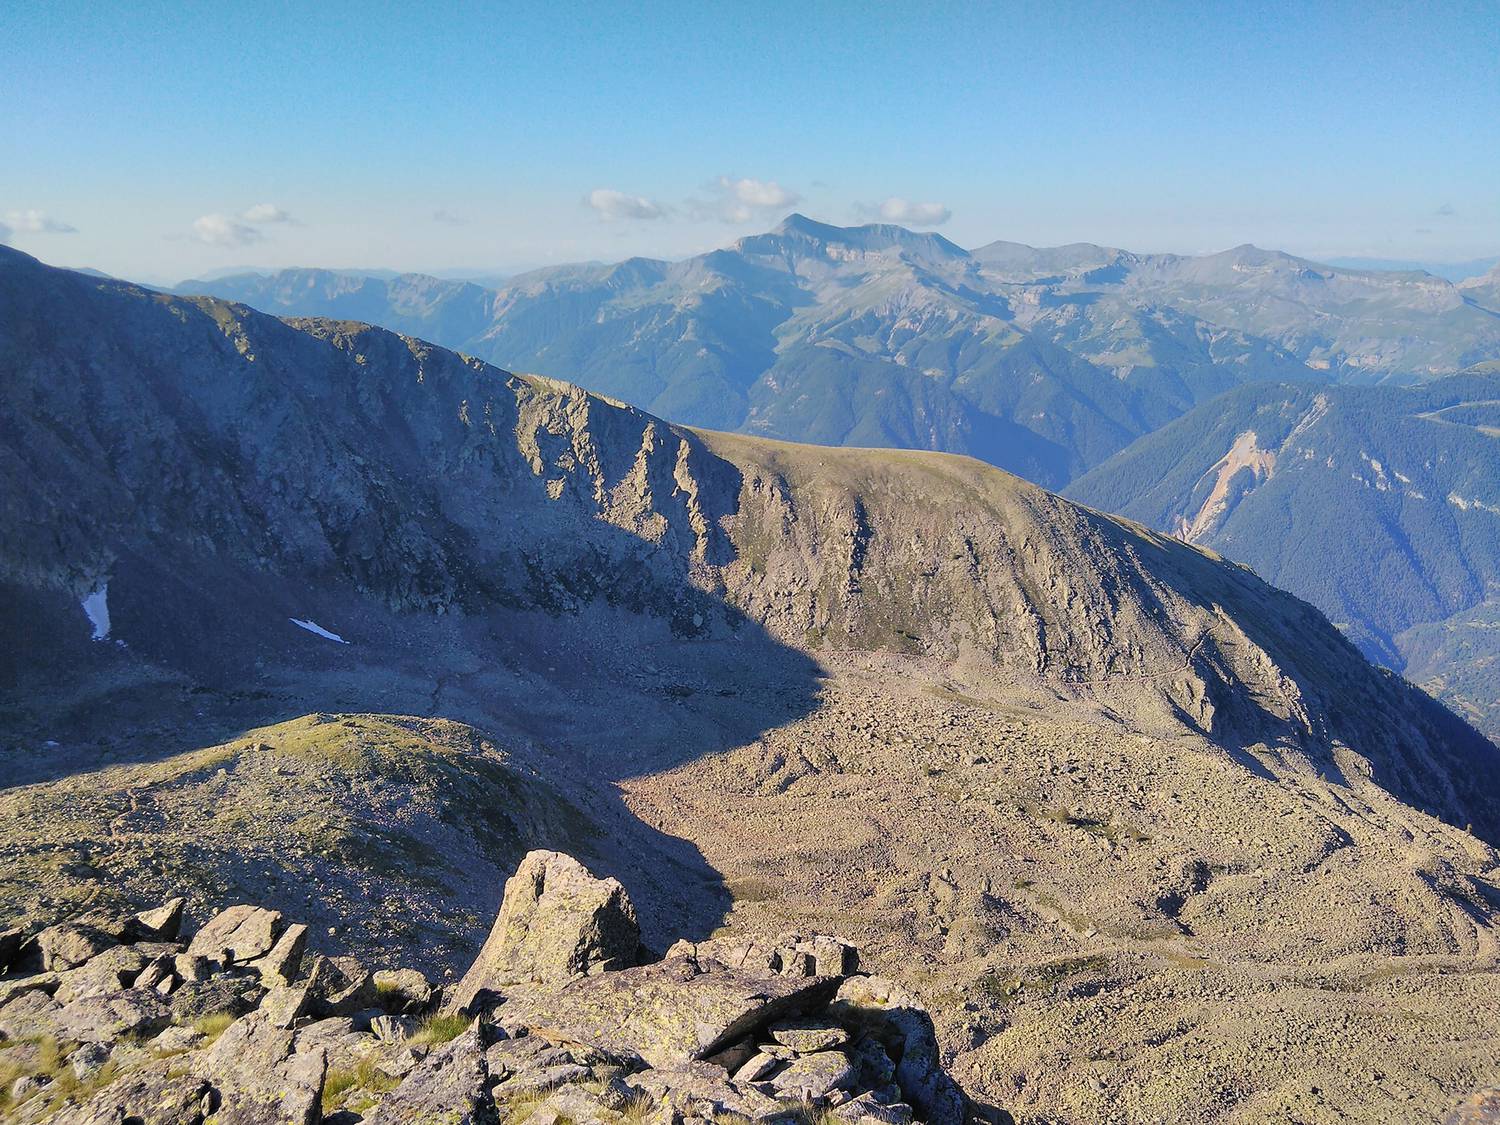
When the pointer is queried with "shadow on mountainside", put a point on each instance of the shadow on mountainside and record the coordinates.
(1417, 749)
(582, 697)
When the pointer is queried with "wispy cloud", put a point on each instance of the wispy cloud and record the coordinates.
(898, 210)
(1445, 211)
(4, 233)
(263, 213)
(37, 222)
(448, 218)
(744, 200)
(221, 230)
(612, 205)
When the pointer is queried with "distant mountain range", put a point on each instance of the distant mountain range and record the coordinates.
(1251, 401)
(1378, 504)
(1041, 361)
(1452, 271)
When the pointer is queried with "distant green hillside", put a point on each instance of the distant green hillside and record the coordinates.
(1380, 505)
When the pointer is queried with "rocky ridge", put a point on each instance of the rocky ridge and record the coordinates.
(563, 1017)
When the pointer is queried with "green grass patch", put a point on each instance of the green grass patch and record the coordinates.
(440, 1028)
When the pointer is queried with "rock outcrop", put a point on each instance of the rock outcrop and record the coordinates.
(555, 1021)
(556, 922)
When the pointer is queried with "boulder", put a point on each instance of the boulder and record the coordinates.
(541, 1078)
(161, 924)
(555, 922)
(240, 933)
(176, 1040)
(231, 993)
(27, 1014)
(261, 1078)
(869, 1110)
(451, 1085)
(671, 1012)
(193, 966)
(759, 1066)
(88, 1060)
(69, 945)
(103, 1019)
(815, 1077)
(37, 982)
(892, 1017)
(155, 974)
(153, 1094)
(114, 969)
(340, 986)
(285, 1005)
(702, 1090)
(283, 963)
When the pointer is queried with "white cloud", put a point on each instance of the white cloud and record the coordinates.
(746, 200)
(614, 205)
(898, 210)
(266, 213)
(221, 230)
(443, 215)
(37, 222)
(4, 233)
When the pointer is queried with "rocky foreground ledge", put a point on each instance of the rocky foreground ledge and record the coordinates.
(109, 1020)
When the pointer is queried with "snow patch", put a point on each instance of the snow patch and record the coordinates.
(96, 606)
(313, 627)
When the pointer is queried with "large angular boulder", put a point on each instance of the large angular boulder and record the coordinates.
(68, 945)
(556, 921)
(450, 1086)
(892, 1017)
(240, 933)
(261, 1078)
(669, 1013)
(162, 923)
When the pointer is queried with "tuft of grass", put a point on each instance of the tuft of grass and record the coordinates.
(364, 1078)
(440, 1028)
(522, 1106)
(338, 1083)
(637, 1111)
(214, 1025)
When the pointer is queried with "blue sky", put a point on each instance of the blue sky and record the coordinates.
(177, 139)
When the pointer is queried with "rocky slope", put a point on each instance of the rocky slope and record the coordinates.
(1089, 790)
(1401, 478)
(109, 1017)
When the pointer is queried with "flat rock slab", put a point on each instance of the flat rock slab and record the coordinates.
(807, 1035)
(240, 933)
(671, 1013)
(152, 1095)
(103, 1019)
